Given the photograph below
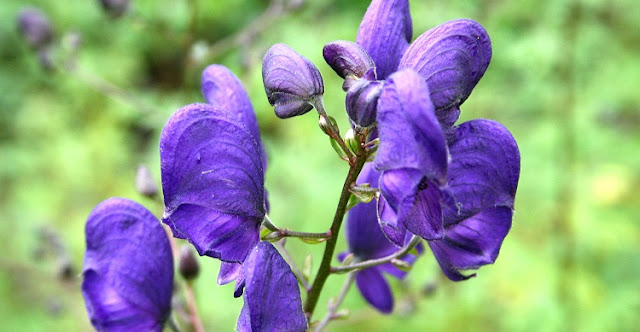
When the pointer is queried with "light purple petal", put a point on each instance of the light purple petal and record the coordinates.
(271, 297)
(213, 181)
(483, 178)
(394, 230)
(385, 33)
(222, 89)
(452, 58)
(290, 80)
(375, 289)
(228, 272)
(362, 100)
(410, 136)
(128, 268)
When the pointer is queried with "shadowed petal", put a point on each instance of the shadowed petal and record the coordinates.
(425, 216)
(394, 230)
(362, 100)
(291, 81)
(375, 289)
(271, 297)
(228, 272)
(128, 268)
(222, 89)
(483, 178)
(385, 33)
(212, 174)
(452, 58)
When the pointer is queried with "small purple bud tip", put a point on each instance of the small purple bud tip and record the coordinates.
(291, 81)
(145, 184)
(115, 8)
(362, 100)
(35, 27)
(188, 265)
(348, 60)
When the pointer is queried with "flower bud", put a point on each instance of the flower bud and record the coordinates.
(352, 141)
(188, 264)
(362, 101)
(291, 81)
(35, 27)
(348, 60)
(115, 8)
(145, 183)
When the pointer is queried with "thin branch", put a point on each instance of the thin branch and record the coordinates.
(194, 316)
(294, 267)
(334, 304)
(379, 261)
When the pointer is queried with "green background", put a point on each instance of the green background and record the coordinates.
(564, 78)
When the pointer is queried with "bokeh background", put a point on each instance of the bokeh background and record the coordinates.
(564, 78)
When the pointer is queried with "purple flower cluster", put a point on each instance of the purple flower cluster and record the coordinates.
(451, 185)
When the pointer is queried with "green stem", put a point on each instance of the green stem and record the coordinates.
(333, 305)
(333, 132)
(325, 266)
(378, 261)
(279, 233)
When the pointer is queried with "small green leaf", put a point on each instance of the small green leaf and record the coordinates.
(342, 314)
(353, 201)
(348, 260)
(312, 240)
(402, 265)
(352, 141)
(338, 149)
(307, 266)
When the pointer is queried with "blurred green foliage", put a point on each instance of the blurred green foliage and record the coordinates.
(564, 78)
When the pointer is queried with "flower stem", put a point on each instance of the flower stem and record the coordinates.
(279, 233)
(333, 132)
(378, 261)
(194, 317)
(325, 266)
(333, 305)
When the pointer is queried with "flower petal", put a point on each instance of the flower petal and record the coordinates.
(128, 268)
(394, 230)
(452, 58)
(362, 100)
(375, 289)
(228, 272)
(347, 59)
(410, 135)
(212, 174)
(385, 33)
(222, 89)
(291, 81)
(424, 218)
(483, 178)
(271, 297)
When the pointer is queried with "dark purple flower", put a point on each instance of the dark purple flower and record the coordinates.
(271, 294)
(412, 157)
(34, 25)
(291, 81)
(115, 8)
(362, 100)
(483, 178)
(366, 241)
(128, 268)
(213, 181)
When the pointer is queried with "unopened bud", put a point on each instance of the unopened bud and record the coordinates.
(400, 264)
(188, 264)
(290, 80)
(352, 141)
(362, 101)
(115, 8)
(349, 60)
(145, 184)
(35, 27)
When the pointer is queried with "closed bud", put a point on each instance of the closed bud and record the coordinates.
(35, 27)
(290, 80)
(188, 264)
(400, 264)
(352, 141)
(145, 184)
(348, 60)
(362, 102)
(115, 8)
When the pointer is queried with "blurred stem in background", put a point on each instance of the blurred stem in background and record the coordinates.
(566, 194)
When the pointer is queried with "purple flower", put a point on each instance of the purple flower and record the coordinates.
(291, 81)
(412, 159)
(213, 180)
(271, 294)
(366, 241)
(128, 268)
(483, 178)
(34, 25)
(349, 60)
(115, 8)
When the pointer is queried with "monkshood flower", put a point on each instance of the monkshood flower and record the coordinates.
(366, 241)
(213, 180)
(271, 294)
(35, 27)
(412, 159)
(482, 179)
(128, 268)
(291, 81)
(115, 8)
